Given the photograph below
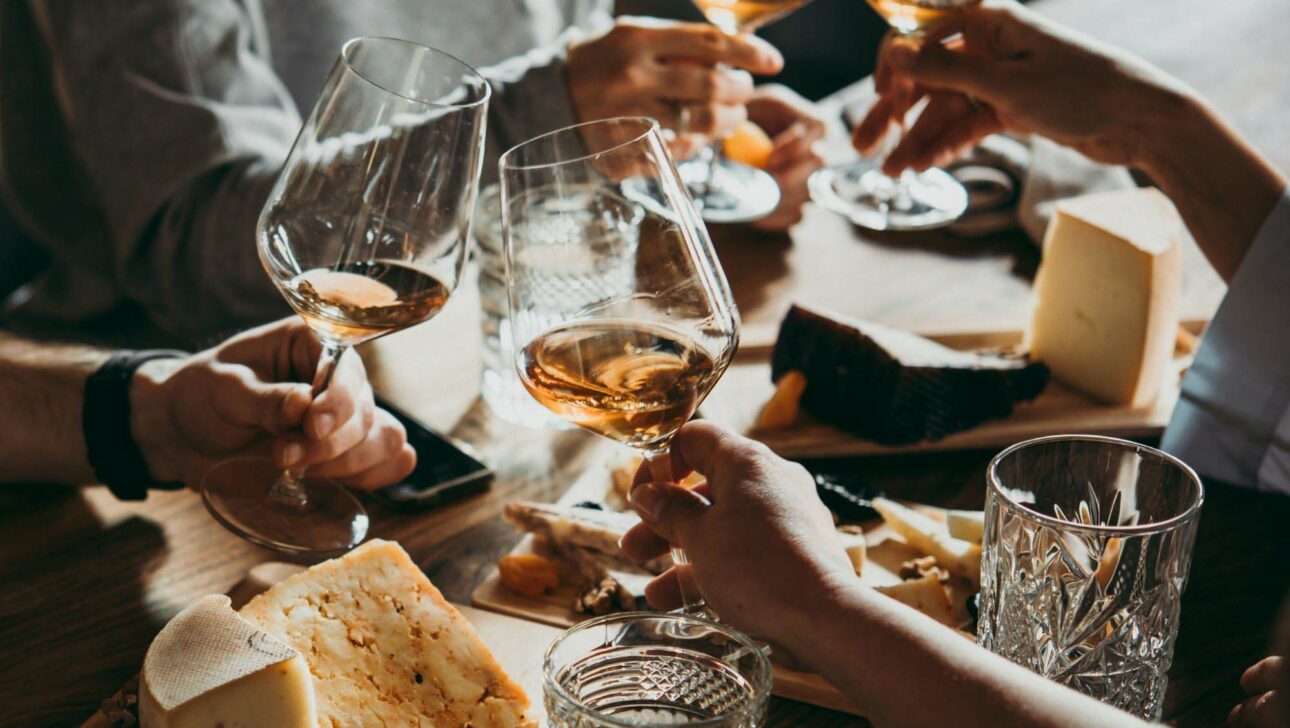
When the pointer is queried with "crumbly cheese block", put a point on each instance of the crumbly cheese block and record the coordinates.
(960, 558)
(385, 648)
(1108, 294)
(208, 667)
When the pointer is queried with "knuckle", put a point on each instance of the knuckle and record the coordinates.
(710, 83)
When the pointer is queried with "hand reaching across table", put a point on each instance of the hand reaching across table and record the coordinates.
(794, 125)
(248, 396)
(1268, 685)
(673, 73)
(765, 556)
(1000, 66)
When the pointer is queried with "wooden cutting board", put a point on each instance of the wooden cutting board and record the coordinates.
(885, 554)
(739, 396)
(517, 644)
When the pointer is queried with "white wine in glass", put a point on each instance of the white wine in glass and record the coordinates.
(914, 200)
(655, 326)
(745, 16)
(364, 234)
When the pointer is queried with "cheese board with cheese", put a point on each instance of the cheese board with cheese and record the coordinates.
(888, 554)
(349, 640)
(1104, 354)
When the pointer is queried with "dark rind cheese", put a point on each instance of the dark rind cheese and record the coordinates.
(894, 387)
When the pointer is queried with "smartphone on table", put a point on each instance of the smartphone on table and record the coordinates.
(446, 471)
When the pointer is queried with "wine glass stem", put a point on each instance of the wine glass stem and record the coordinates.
(288, 490)
(660, 466)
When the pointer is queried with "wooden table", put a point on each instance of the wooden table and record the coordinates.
(85, 581)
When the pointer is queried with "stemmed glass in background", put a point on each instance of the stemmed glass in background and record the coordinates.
(621, 314)
(364, 234)
(914, 200)
(724, 190)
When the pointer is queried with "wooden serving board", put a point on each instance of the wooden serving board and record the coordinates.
(517, 644)
(885, 554)
(746, 386)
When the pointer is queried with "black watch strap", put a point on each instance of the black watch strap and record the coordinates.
(105, 420)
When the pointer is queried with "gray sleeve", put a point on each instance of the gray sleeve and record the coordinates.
(530, 95)
(180, 126)
(1232, 421)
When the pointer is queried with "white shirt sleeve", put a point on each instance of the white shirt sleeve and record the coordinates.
(1232, 422)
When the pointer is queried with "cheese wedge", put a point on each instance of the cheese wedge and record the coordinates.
(1108, 294)
(384, 646)
(926, 595)
(209, 667)
(960, 558)
(967, 525)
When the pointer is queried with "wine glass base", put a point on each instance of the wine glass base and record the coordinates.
(861, 193)
(330, 522)
(736, 192)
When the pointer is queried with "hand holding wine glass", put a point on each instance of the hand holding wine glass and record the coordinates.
(364, 234)
(621, 315)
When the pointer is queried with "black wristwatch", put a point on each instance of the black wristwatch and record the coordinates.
(105, 421)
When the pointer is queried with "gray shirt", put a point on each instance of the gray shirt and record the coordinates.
(139, 138)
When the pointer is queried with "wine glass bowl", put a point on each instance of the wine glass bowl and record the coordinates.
(364, 233)
(633, 357)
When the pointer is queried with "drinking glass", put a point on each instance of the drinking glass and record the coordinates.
(914, 200)
(364, 233)
(622, 334)
(648, 669)
(1087, 545)
(727, 191)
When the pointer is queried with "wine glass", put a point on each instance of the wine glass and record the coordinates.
(860, 190)
(621, 315)
(364, 234)
(727, 191)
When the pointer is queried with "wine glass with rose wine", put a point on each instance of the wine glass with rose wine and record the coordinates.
(727, 191)
(364, 234)
(621, 315)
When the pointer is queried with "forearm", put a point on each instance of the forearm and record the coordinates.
(1221, 185)
(903, 669)
(41, 393)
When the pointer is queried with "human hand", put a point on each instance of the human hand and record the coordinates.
(763, 550)
(1267, 683)
(794, 125)
(251, 396)
(1011, 69)
(653, 69)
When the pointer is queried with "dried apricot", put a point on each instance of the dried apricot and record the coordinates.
(750, 145)
(527, 574)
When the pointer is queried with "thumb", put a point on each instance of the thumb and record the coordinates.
(669, 510)
(935, 66)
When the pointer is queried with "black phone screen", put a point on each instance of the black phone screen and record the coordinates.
(444, 471)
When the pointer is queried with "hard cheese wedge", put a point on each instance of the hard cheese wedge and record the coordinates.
(1108, 294)
(384, 646)
(209, 667)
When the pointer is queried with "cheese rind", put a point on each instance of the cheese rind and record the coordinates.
(384, 647)
(209, 667)
(1108, 294)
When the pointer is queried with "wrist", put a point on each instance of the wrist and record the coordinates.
(1166, 119)
(150, 423)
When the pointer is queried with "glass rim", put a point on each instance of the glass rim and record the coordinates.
(650, 125)
(470, 70)
(762, 682)
(1191, 513)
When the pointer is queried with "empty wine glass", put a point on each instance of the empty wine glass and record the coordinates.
(621, 314)
(364, 234)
